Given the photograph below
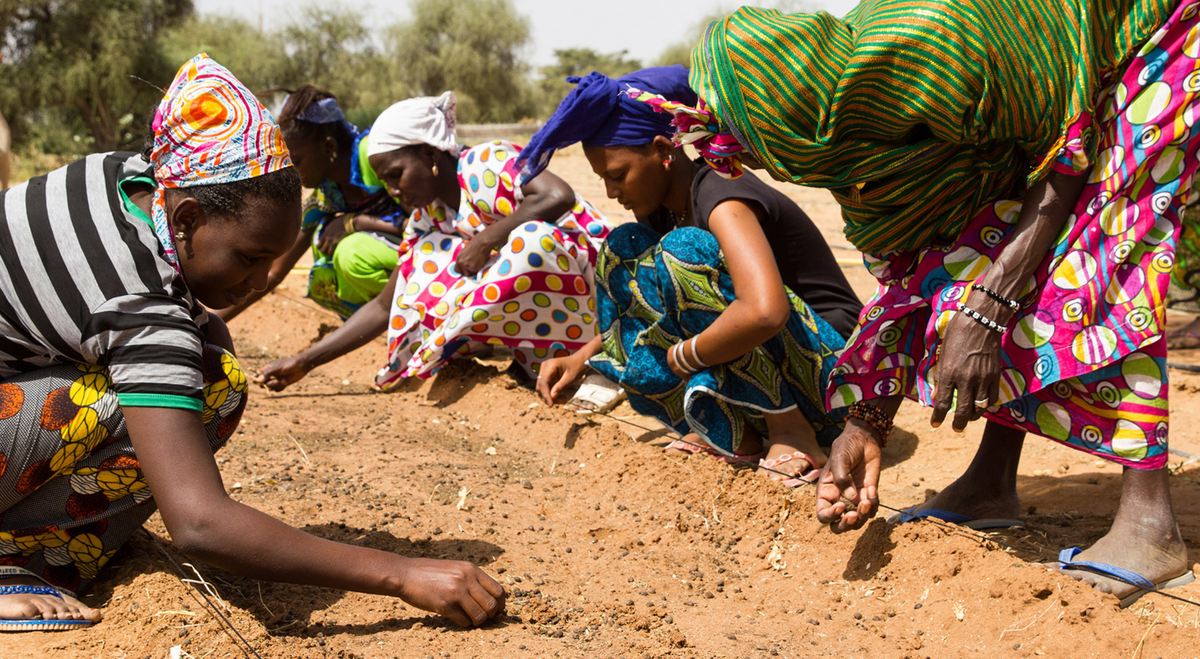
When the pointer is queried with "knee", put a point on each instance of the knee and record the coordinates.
(630, 240)
(692, 244)
(218, 334)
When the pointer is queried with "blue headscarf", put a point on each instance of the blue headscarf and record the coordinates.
(597, 113)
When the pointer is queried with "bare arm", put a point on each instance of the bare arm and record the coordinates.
(367, 323)
(206, 524)
(546, 198)
(279, 271)
(761, 308)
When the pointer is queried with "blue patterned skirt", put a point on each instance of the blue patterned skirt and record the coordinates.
(654, 291)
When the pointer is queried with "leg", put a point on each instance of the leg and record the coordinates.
(1144, 536)
(988, 488)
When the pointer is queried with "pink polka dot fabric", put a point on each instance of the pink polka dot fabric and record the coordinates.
(534, 295)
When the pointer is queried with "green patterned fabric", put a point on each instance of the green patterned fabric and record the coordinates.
(915, 114)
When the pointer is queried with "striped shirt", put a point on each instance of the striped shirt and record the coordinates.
(84, 281)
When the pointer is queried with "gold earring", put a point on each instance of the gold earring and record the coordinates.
(179, 235)
(435, 169)
(332, 158)
(668, 161)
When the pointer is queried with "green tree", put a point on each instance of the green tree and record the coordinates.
(257, 59)
(472, 47)
(580, 62)
(82, 61)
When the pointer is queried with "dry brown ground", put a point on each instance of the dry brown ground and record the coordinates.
(611, 548)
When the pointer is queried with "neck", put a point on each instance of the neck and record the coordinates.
(341, 176)
(449, 192)
(679, 195)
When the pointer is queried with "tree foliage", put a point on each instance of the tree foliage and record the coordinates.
(472, 47)
(82, 62)
(580, 62)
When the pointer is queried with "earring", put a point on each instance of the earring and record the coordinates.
(435, 170)
(667, 163)
(332, 158)
(179, 235)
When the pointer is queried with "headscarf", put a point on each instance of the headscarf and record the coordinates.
(209, 129)
(424, 120)
(916, 116)
(701, 129)
(600, 112)
(325, 111)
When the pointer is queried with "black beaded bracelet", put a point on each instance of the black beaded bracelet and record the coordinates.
(1011, 304)
(982, 319)
(874, 417)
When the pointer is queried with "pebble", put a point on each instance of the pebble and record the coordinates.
(812, 621)
(527, 485)
(858, 616)
(918, 605)
(732, 637)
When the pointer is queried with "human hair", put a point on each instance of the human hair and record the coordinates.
(293, 126)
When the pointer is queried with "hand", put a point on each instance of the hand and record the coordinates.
(455, 589)
(281, 373)
(557, 374)
(474, 255)
(852, 473)
(969, 364)
(331, 235)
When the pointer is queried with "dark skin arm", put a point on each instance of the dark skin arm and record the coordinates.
(969, 364)
(759, 312)
(367, 323)
(335, 230)
(279, 271)
(547, 198)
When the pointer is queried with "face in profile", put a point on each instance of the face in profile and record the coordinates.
(309, 157)
(633, 175)
(408, 174)
(225, 259)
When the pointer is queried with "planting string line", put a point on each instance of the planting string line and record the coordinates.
(954, 528)
(228, 626)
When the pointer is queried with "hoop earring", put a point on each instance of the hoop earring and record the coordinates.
(668, 162)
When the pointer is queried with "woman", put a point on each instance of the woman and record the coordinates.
(116, 386)
(350, 223)
(1039, 197)
(485, 260)
(722, 309)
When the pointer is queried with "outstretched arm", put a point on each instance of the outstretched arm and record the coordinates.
(367, 323)
(206, 524)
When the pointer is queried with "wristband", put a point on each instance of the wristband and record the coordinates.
(1011, 304)
(982, 319)
(348, 223)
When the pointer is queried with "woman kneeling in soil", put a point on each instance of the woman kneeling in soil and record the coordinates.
(117, 386)
(350, 223)
(722, 309)
(1021, 216)
(485, 260)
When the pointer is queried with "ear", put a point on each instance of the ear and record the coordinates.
(430, 154)
(186, 216)
(663, 147)
(331, 148)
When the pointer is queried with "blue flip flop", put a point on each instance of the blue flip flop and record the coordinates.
(1144, 585)
(973, 523)
(38, 625)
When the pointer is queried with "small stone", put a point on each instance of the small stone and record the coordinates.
(858, 616)
(732, 637)
(917, 605)
(527, 485)
(812, 621)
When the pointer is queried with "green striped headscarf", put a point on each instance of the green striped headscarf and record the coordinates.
(915, 114)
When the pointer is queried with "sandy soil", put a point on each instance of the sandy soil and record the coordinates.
(609, 547)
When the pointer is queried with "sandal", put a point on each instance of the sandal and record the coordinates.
(35, 625)
(1066, 561)
(735, 459)
(808, 477)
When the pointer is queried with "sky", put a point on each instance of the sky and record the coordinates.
(602, 25)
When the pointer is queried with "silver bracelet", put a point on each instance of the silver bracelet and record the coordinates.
(982, 319)
(695, 355)
(681, 358)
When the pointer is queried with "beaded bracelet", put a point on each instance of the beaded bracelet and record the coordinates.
(982, 319)
(1011, 304)
(874, 417)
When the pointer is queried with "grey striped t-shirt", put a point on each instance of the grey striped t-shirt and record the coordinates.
(84, 281)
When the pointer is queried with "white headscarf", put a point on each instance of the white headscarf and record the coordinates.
(424, 120)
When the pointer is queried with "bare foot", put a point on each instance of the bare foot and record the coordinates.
(1186, 337)
(1144, 537)
(969, 497)
(42, 607)
(788, 433)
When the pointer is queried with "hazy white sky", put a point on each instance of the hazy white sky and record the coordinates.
(643, 27)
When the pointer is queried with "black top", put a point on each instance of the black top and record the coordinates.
(806, 264)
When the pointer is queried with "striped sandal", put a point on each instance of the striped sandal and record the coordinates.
(808, 477)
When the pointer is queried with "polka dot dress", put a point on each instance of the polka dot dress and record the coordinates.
(534, 295)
